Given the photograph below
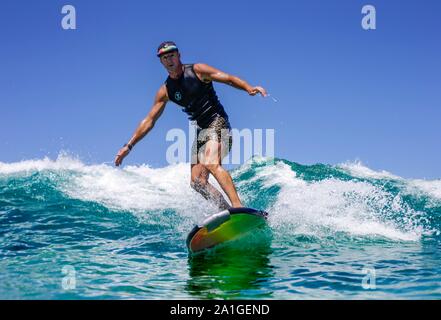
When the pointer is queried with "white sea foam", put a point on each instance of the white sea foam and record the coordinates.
(138, 189)
(358, 169)
(356, 208)
(316, 208)
(63, 162)
(430, 187)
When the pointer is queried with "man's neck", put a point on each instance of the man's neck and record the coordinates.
(177, 73)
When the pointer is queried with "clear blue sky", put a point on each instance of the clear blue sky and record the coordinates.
(343, 93)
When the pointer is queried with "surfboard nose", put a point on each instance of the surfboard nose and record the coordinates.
(224, 226)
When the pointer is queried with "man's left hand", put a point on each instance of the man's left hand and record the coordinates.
(256, 90)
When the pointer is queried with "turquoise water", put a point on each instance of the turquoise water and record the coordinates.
(74, 231)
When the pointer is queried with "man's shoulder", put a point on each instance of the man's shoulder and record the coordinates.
(199, 70)
(162, 92)
(199, 66)
(202, 70)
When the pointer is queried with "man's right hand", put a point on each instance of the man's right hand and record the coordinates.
(123, 152)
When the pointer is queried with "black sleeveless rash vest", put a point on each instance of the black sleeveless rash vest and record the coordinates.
(198, 99)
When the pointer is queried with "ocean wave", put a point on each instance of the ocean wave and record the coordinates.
(321, 201)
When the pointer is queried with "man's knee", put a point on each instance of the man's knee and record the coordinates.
(213, 167)
(198, 184)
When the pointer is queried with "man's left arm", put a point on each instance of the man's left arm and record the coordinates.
(208, 73)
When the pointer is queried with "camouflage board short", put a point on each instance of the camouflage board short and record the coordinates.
(218, 130)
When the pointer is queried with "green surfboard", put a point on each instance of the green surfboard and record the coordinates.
(224, 226)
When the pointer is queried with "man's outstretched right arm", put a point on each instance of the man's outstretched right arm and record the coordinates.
(146, 124)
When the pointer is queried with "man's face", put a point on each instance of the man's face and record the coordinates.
(171, 60)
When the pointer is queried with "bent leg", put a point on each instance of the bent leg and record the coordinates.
(199, 182)
(211, 159)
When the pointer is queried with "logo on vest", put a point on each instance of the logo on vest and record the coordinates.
(178, 95)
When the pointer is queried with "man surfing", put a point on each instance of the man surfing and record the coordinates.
(191, 87)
